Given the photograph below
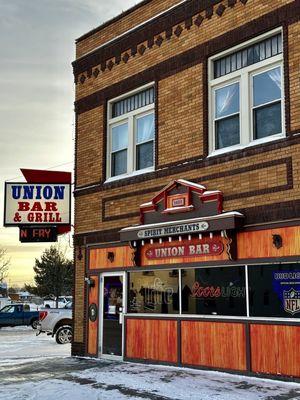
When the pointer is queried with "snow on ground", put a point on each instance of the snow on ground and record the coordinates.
(21, 343)
(34, 368)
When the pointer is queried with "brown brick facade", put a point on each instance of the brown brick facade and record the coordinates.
(79, 302)
(174, 54)
(177, 99)
(144, 11)
(89, 146)
(294, 62)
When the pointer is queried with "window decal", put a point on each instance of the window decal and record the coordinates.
(287, 286)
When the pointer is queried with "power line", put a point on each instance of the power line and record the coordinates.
(54, 166)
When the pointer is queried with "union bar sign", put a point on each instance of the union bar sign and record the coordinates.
(34, 204)
(203, 248)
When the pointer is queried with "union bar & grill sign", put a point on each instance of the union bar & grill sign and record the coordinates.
(31, 204)
(203, 248)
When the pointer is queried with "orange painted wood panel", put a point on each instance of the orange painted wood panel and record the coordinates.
(275, 349)
(213, 344)
(178, 260)
(93, 326)
(152, 340)
(123, 257)
(258, 244)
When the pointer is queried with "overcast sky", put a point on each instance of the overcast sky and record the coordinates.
(36, 97)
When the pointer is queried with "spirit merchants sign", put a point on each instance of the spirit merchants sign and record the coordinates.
(34, 204)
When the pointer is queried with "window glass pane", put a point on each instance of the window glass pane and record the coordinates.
(279, 44)
(233, 62)
(268, 48)
(227, 132)
(119, 163)
(262, 50)
(228, 65)
(248, 56)
(133, 102)
(7, 309)
(215, 291)
(244, 58)
(256, 53)
(274, 290)
(267, 86)
(239, 60)
(223, 66)
(145, 128)
(119, 137)
(153, 292)
(227, 100)
(217, 69)
(144, 155)
(267, 120)
(274, 45)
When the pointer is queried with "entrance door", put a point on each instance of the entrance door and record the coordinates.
(112, 306)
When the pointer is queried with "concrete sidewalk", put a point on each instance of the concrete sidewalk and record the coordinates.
(33, 368)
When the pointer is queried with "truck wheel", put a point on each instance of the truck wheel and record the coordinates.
(64, 335)
(34, 323)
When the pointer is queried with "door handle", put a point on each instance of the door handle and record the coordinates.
(120, 315)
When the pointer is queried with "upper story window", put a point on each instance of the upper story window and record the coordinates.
(131, 133)
(246, 94)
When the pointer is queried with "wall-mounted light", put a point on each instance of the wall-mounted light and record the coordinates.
(277, 241)
(89, 281)
(111, 256)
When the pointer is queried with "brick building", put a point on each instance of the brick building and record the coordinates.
(187, 199)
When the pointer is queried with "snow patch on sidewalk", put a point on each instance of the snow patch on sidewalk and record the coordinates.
(35, 368)
(22, 343)
(184, 383)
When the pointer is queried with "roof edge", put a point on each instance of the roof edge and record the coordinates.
(112, 20)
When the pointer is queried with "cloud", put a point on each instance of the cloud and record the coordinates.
(37, 46)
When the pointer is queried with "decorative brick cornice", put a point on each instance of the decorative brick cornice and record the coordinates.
(161, 29)
(113, 20)
(153, 32)
(198, 54)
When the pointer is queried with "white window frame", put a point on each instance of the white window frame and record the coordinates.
(213, 92)
(130, 118)
(208, 317)
(244, 77)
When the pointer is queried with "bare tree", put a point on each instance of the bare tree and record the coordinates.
(4, 264)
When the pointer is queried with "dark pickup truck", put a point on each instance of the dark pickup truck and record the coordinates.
(18, 314)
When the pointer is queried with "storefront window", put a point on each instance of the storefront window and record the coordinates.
(154, 292)
(274, 290)
(214, 291)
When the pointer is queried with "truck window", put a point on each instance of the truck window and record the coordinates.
(7, 309)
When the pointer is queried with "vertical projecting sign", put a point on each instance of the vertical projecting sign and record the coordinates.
(40, 207)
(27, 203)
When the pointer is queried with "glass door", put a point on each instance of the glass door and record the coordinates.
(112, 306)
